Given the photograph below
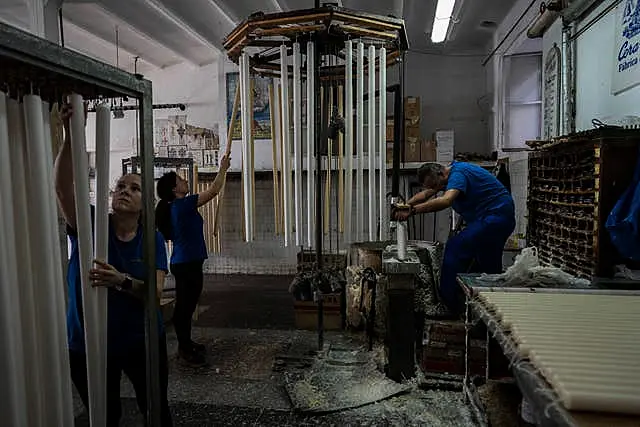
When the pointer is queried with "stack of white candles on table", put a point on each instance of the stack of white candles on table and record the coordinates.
(32, 303)
(294, 151)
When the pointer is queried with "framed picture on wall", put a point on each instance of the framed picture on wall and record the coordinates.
(261, 107)
(551, 113)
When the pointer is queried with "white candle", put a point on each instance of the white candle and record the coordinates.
(59, 282)
(246, 140)
(43, 239)
(311, 138)
(359, 231)
(103, 144)
(372, 144)
(382, 147)
(13, 404)
(93, 325)
(297, 144)
(28, 315)
(348, 130)
(286, 144)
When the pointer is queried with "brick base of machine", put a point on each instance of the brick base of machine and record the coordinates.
(443, 352)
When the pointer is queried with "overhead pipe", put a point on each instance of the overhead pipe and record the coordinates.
(548, 15)
(348, 131)
(297, 143)
(372, 145)
(311, 118)
(576, 9)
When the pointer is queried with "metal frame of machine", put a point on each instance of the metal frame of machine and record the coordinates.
(262, 44)
(29, 63)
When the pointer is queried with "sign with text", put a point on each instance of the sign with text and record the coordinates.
(626, 66)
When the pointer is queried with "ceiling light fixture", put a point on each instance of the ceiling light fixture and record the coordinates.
(441, 20)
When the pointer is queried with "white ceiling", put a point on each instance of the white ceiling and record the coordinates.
(166, 32)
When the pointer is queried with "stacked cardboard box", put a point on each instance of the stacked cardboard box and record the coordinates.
(413, 144)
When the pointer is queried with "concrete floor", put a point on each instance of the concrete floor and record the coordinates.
(247, 325)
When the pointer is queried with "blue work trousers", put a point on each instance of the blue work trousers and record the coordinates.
(478, 249)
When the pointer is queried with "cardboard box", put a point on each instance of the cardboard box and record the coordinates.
(412, 150)
(412, 107)
(390, 152)
(428, 151)
(411, 131)
(389, 129)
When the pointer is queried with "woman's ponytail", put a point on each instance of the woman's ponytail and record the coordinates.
(166, 185)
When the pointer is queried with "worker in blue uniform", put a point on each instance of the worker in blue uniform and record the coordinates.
(486, 207)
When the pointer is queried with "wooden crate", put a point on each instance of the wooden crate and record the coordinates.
(574, 182)
(306, 313)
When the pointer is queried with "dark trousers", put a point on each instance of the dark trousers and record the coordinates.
(133, 364)
(478, 248)
(189, 281)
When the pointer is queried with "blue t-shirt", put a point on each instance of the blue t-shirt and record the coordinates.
(125, 321)
(187, 231)
(481, 194)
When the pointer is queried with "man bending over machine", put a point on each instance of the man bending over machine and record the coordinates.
(486, 207)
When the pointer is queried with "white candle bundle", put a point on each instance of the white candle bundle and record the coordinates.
(297, 143)
(14, 394)
(372, 144)
(247, 172)
(287, 191)
(311, 138)
(359, 231)
(382, 146)
(348, 131)
(92, 299)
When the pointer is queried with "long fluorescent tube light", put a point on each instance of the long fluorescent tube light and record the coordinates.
(441, 20)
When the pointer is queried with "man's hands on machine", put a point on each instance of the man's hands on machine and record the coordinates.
(402, 212)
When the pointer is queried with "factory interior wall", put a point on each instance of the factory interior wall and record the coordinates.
(595, 56)
(452, 92)
(508, 40)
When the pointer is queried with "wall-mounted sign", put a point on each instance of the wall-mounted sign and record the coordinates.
(626, 66)
(552, 93)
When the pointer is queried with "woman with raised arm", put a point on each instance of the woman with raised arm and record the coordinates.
(178, 219)
(124, 274)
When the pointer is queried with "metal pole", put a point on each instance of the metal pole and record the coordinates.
(398, 131)
(319, 124)
(149, 255)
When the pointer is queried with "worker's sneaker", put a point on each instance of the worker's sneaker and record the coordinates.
(192, 358)
(198, 348)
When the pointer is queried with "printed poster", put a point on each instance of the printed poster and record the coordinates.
(626, 70)
(261, 108)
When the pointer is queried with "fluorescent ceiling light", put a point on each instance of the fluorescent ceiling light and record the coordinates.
(441, 20)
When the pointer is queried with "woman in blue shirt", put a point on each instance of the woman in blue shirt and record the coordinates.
(124, 274)
(178, 219)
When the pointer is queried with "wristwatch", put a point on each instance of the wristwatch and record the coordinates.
(126, 285)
